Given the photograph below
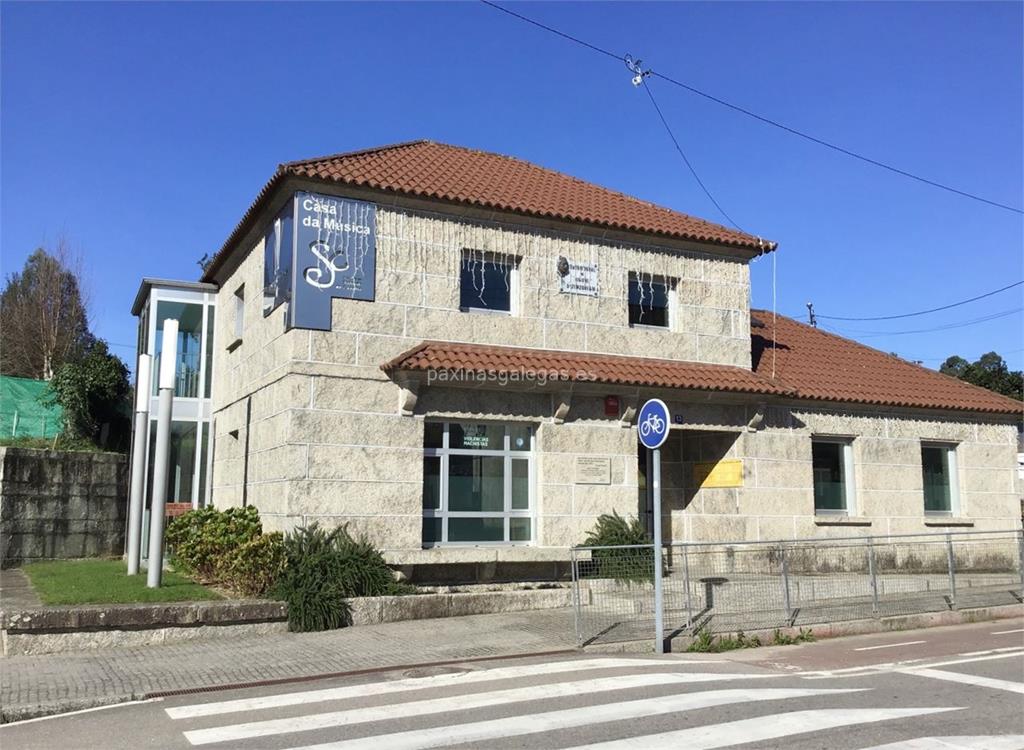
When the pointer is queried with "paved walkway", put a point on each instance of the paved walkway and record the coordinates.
(40, 685)
(16, 591)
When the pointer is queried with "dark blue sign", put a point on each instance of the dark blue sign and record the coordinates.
(652, 423)
(334, 255)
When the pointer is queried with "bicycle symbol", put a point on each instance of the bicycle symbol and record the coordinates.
(652, 425)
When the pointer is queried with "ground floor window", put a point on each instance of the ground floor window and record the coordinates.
(832, 464)
(477, 483)
(938, 468)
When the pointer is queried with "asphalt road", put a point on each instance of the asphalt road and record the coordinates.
(955, 687)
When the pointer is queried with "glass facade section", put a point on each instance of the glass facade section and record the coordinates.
(829, 476)
(190, 326)
(477, 483)
(938, 469)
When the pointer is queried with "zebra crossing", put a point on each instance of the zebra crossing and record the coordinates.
(605, 703)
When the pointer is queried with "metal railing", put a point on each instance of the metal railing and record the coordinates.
(725, 587)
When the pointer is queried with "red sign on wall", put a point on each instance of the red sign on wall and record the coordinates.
(611, 406)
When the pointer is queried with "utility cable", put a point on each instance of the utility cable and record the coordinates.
(760, 118)
(964, 324)
(679, 148)
(926, 312)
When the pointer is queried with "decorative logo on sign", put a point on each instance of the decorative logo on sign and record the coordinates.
(335, 256)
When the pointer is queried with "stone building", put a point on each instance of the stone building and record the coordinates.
(445, 349)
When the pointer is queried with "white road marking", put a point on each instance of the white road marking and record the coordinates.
(972, 742)
(1004, 632)
(897, 666)
(493, 729)
(76, 713)
(968, 679)
(347, 717)
(759, 729)
(889, 645)
(413, 683)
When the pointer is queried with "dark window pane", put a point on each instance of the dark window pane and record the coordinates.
(431, 530)
(485, 437)
(520, 485)
(519, 530)
(476, 529)
(519, 437)
(433, 434)
(485, 283)
(432, 483)
(935, 470)
(829, 487)
(648, 302)
(476, 483)
(208, 364)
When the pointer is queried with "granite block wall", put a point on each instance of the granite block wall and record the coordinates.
(57, 505)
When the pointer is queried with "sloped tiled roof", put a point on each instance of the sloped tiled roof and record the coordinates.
(454, 174)
(581, 367)
(822, 366)
(809, 364)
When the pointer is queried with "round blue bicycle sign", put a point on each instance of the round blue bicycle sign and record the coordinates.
(652, 423)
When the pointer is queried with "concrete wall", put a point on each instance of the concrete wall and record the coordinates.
(56, 504)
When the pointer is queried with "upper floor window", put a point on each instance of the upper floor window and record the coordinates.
(277, 261)
(239, 311)
(938, 469)
(832, 465)
(488, 282)
(650, 300)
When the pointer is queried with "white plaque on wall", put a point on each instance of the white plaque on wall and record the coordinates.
(593, 470)
(577, 278)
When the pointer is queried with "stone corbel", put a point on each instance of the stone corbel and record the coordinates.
(629, 406)
(408, 394)
(563, 402)
(757, 421)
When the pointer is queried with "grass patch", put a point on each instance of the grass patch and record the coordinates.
(107, 582)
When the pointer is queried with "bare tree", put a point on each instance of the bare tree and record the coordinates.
(43, 318)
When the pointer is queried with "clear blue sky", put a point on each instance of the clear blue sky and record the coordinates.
(143, 131)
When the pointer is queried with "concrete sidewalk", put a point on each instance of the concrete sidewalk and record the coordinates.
(33, 686)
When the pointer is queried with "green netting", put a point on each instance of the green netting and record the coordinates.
(22, 413)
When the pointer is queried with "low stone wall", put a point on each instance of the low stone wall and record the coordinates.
(61, 504)
(49, 630)
(377, 609)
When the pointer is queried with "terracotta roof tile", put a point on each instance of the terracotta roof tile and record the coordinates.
(582, 367)
(822, 366)
(426, 169)
(809, 364)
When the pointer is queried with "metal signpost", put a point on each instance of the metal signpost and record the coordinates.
(137, 501)
(652, 425)
(161, 456)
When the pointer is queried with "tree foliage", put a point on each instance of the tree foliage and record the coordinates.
(92, 393)
(989, 371)
(43, 315)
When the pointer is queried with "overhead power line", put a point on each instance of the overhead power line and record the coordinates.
(679, 148)
(964, 324)
(760, 118)
(926, 312)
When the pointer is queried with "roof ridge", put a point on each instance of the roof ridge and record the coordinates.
(357, 152)
(528, 163)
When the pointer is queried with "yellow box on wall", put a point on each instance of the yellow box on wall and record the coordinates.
(719, 473)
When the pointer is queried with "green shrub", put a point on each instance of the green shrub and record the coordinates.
(201, 542)
(782, 639)
(706, 642)
(322, 569)
(612, 530)
(255, 566)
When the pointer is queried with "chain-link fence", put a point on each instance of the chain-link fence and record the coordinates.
(754, 585)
